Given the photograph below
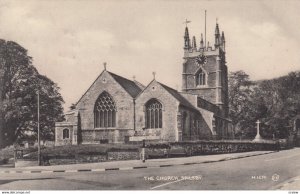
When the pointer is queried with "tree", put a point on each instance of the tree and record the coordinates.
(20, 82)
(281, 97)
(240, 104)
(275, 102)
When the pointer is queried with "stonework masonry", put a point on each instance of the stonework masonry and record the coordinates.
(154, 90)
(199, 112)
(124, 113)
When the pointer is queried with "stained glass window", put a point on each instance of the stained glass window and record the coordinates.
(105, 111)
(153, 114)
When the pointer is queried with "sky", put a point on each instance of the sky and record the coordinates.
(70, 40)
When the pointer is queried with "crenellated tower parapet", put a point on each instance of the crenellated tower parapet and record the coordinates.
(205, 71)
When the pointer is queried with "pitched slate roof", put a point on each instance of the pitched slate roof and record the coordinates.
(204, 104)
(178, 96)
(130, 86)
(141, 86)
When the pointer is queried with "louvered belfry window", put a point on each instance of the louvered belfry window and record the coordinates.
(200, 78)
(105, 111)
(153, 114)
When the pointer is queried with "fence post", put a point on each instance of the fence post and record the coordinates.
(143, 151)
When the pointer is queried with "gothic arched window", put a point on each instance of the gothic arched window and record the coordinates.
(66, 134)
(200, 78)
(105, 111)
(153, 114)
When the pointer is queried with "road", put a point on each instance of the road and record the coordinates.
(252, 173)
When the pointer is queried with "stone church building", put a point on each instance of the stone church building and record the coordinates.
(114, 109)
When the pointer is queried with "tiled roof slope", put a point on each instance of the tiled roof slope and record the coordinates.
(141, 86)
(130, 86)
(178, 96)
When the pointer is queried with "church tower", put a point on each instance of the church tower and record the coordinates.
(204, 70)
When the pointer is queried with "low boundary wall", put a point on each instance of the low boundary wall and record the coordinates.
(162, 150)
(207, 147)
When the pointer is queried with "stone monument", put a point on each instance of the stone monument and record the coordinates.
(258, 137)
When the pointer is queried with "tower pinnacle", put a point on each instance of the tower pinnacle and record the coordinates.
(223, 41)
(217, 31)
(217, 35)
(201, 41)
(194, 44)
(187, 41)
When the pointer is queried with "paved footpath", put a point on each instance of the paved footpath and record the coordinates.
(131, 164)
(291, 184)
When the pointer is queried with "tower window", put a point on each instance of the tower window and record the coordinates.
(66, 134)
(200, 78)
(104, 111)
(153, 114)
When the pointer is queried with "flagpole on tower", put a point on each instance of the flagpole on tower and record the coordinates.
(205, 31)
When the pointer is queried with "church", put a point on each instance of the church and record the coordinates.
(115, 109)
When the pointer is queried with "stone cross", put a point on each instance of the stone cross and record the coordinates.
(153, 73)
(258, 137)
(104, 64)
(186, 22)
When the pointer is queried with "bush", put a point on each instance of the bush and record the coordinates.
(158, 146)
(9, 152)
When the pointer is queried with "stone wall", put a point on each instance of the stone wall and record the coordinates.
(216, 71)
(124, 114)
(163, 150)
(112, 135)
(207, 92)
(123, 155)
(223, 128)
(193, 126)
(205, 148)
(59, 127)
(168, 132)
(25, 163)
(76, 159)
(91, 157)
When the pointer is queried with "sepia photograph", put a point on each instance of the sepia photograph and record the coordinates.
(161, 95)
